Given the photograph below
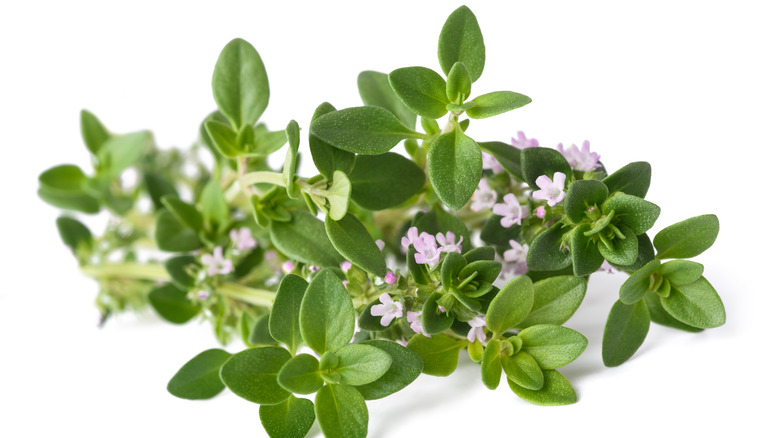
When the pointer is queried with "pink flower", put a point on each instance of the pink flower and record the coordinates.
(288, 266)
(540, 212)
(242, 239)
(391, 278)
(388, 310)
(521, 142)
(217, 264)
(477, 329)
(517, 254)
(411, 235)
(512, 211)
(550, 190)
(484, 197)
(448, 243)
(490, 163)
(345, 266)
(415, 324)
(427, 251)
(583, 160)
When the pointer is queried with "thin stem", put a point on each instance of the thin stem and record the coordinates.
(263, 177)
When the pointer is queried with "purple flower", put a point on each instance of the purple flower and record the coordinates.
(448, 243)
(606, 267)
(540, 212)
(484, 197)
(427, 251)
(490, 163)
(550, 190)
(583, 160)
(345, 266)
(521, 142)
(517, 254)
(411, 235)
(203, 295)
(388, 310)
(288, 266)
(242, 239)
(415, 324)
(216, 263)
(391, 278)
(512, 211)
(477, 331)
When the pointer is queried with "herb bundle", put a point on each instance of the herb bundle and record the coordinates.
(346, 285)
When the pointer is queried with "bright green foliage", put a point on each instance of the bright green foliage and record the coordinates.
(626, 328)
(582, 195)
(555, 300)
(461, 41)
(375, 90)
(458, 83)
(434, 321)
(632, 211)
(660, 316)
(199, 378)
(64, 187)
(454, 167)
(93, 132)
(170, 235)
(586, 256)
(284, 324)
(185, 213)
(405, 368)
(74, 234)
(215, 210)
(688, 238)
(179, 269)
(252, 374)
(511, 305)
(172, 303)
(696, 304)
(122, 151)
(421, 89)
(439, 353)
(521, 369)
(639, 283)
(240, 83)
(327, 158)
(681, 272)
(327, 317)
(351, 239)
(361, 364)
(491, 365)
(293, 133)
(301, 375)
(552, 346)
(631, 179)
(304, 239)
(495, 103)
(546, 251)
(341, 411)
(291, 418)
(557, 391)
(384, 181)
(363, 130)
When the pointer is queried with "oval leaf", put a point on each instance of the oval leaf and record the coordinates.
(199, 378)
(252, 374)
(240, 83)
(304, 239)
(555, 300)
(327, 158)
(301, 375)
(511, 305)
(631, 179)
(696, 304)
(375, 90)
(638, 284)
(439, 353)
(172, 303)
(552, 346)
(491, 365)
(384, 181)
(361, 364)
(688, 238)
(283, 323)
(421, 89)
(405, 368)
(523, 370)
(495, 103)
(624, 333)
(327, 317)
(351, 239)
(454, 168)
(341, 412)
(461, 40)
(557, 391)
(367, 130)
(291, 418)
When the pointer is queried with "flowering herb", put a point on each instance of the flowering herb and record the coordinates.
(298, 266)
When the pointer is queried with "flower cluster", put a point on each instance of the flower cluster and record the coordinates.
(428, 252)
(390, 309)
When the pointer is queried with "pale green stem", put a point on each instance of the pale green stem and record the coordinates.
(263, 177)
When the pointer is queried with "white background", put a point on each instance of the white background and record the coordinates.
(691, 87)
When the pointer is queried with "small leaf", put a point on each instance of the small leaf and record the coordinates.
(450, 267)
(623, 251)
(384, 181)
(284, 324)
(681, 272)
(405, 368)
(223, 137)
(458, 83)
(696, 304)
(632, 211)
(260, 333)
(557, 391)
(421, 89)
(341, 411)
(454, 168)
(522, 370)
(688, 238)
(240, 83)
(439, 353)
(491, 365)
(291, 418)
(338, 195)
(660, 316)
(185, 213)
(293, 133)
(122, 151)
(555, 300)
(631, 179)
(433, 321)
(93, 132)
(215, 209)
(461, 40)
(158, 186)
(546, 252)
(304, 239)
(582, 195)
(511, 305)
(624, 333)
(508, 156)
(327, 317)
(536, 162)
(351, 239)
(364, 130)
(171, 236)
(361, 364)
(375, 90)
(639, 283)
(74, 234)
(552, 346)
(495, 103)
(480, 253)
(63, 187)
(301, 375)
(199, 378)
(172, 304)
(327, 158)
(585, 255)
(252, 374)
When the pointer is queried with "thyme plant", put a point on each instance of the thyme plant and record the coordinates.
(349, 283)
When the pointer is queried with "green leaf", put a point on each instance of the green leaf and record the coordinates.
(405, 368)
(291, 418)
(63, 187)
(688, 238)
(495, 234)
(681, 272)
(632, 211)
(384, 181)
(351, 239)
(199, 378)
(293, 133)
(122, 151)
(361, 364)
(454, 168)
(696, 304)
(585, 255)
(645, 253)
(421, 89)
(433, 321)
(660, 316)
(439, 353)
(369, 322)
(480, 253)
(375, 90)
(623, 251)
(172, 304)
(437, 220)
(536, 162)
(223, 137)
(304, 239)
(93, 132)
(546, 253)
(557, 391)
(626, 329)
(338, 195)
(267, 142)
(555, 300)
(458, 83)
(450, 267)
(240, 83)
(461, 40)
(215, 209)
(260, 333)
(491, 365)
(284, 324)
(639, 283)
(158, 186)
(301, 375)
(582, 195)
(487, 270)
(171, 236)
(495, 103)
(511, 305)
(552, 346)
(327, 158)
(341, 412)
(631, 179)
(416, 271)
(367, 130)
(327, 317)
(508, 156)
(522, 370)
(74, 234)
(185, 213)
(252, 374)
